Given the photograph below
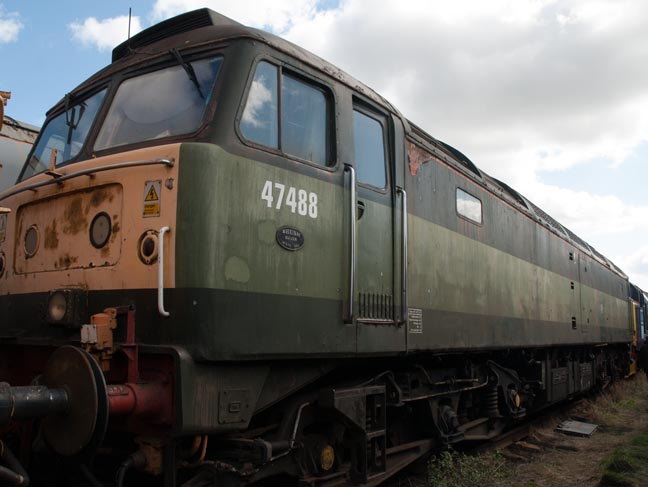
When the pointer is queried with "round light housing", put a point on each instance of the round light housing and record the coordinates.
(32, 239)
(100, 230)
(56, 307)
(148, 247)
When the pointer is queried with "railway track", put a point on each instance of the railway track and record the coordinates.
(518, 444)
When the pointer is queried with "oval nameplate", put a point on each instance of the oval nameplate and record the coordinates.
(290, 238)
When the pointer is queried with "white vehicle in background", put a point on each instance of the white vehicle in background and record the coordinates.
(16, 139)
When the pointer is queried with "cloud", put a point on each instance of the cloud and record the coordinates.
(104, 34)
(278, 15)
(636, 264)
(523, 87)
(501, 79)
(588, 214)
(10, 26)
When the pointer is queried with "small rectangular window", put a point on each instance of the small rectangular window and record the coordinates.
(369, 149)
(298, 124)
(468, 206)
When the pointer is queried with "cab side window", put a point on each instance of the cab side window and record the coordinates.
(469, 207)
(288, 113)
(369, 139)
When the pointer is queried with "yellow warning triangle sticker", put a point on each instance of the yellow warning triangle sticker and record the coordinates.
(151, 195)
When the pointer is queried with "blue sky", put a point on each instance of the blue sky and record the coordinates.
(551, 96)
(45, 61)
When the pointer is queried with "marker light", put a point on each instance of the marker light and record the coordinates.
(31, 241)
(148, 247)
(100, 230)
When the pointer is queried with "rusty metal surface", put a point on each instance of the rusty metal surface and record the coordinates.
(60, 222)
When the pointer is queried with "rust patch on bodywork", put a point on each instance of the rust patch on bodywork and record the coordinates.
(418, 156)
(66, 261)
(64, 221)
(75, 220)
(99, 197)
(51, 236)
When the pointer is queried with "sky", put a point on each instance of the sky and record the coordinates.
(550, 96)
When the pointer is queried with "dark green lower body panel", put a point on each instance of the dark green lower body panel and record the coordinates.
(452, 331)
(215, 325)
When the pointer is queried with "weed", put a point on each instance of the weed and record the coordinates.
(452, 469)
(627, 466)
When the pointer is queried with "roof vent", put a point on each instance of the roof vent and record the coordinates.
(195, 19)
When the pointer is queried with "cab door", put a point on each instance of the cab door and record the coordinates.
(377, 305)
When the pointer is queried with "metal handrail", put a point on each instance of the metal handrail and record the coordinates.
(353, 235)
(86, 172)
(403, 254)
(161, 309)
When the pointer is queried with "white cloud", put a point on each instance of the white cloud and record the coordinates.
(636, 266)
(501, 79)
(10, 26)
(586, 214)
(104, 34)
(277, 15)
(521, 86)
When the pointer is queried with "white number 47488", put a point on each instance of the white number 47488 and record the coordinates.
(299, 200)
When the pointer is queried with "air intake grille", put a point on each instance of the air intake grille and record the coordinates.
(177, 25)
(375, 306)
(550, 220)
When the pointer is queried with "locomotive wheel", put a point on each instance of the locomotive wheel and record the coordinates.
(81, 428)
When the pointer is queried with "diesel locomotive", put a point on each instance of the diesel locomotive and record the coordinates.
(226, 261)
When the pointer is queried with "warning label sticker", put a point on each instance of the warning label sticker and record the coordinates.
(152, 195)
(415, 321)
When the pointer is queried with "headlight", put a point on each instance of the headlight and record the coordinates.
(56, 307)
(66, 307)
(100, 230)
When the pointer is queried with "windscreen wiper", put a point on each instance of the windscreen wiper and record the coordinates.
(72, 117)
(191, 74)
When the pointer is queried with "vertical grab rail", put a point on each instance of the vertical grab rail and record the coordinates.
(403, 194)
(352, 260)
(161, 309)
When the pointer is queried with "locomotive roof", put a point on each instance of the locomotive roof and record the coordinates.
(203, 27)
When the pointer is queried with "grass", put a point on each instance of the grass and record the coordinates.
(453, 469)
(610, 408)
(627, 466)
(618, 411)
